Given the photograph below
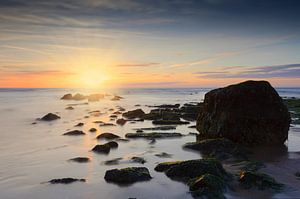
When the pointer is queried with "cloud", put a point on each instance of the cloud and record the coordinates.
(273, 71)
(155, 84)
(150, 64)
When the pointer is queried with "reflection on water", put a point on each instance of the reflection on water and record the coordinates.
(32, 154)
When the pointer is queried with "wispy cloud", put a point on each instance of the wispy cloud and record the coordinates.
(150, 64)
(283, 71)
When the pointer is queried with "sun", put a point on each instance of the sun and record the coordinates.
(93, 79)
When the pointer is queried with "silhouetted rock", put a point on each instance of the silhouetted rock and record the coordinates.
(80, 159)
(50, 117)
(127, 175)
(137, 113)
(121, 121)
(250, 113)
(74, 132)
(67, 97)
(101, 148)
(92, 130)
(65, 180)
(108, 136)
(112, 144)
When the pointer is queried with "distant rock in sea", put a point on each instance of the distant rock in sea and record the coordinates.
(50, 117)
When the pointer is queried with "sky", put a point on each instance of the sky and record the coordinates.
(143, 43)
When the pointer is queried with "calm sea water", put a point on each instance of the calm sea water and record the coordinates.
(33, 154)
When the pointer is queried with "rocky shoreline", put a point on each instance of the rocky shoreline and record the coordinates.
(230, 121)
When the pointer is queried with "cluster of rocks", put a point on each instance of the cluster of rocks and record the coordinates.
(78, 97)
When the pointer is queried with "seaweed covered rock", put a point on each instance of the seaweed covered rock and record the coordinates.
(250, 113)
(220, 148)
(249, 179)
(50, 117)
(207, 185)
(186, 170)
(127, 175)
(137, 113)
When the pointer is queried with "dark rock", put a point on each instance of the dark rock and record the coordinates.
(250, 113)
(112, 144)
(293, 105)
(98, 122)
(138, 160)
(122, 140)
(50, 117)
(108, 136)
(192, 126)
(107, 124)
(127, 175)
(121, 121)
(164, 155)
(74, 132)
(153, 141)
(117, 112)
(114, 161)
(79, 124)
(190, 111)
(166, 106)
(113, 116)
(67, 97)
(92, 130)
(249, 179)
(80, 159)
(207, 186)
(101, 148)
(220, 148)
(69, 108)
(65, 180)
(158, 128)
(138, 113)
(169, 122)
(139, 131)
(152, 135)
(186, 170)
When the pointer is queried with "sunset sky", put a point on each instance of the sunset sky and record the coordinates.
(155, 43)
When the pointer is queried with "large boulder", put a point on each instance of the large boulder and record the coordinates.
(250, 113)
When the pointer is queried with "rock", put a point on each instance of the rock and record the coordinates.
(169, 122)
(74, 132)
(139, 131)
(113, 116)
(138, 160)
(92, 130)
(122, 140)
(127, 175)
(190, 111)
(69, 108)
(138, 113)
(108, 136)
(163, 155)
(80, 159)
(107, 124)
(98, 122)
(220, 148)
(158, 128)
(114, 161)
(186, 170)
(192, 126)
(50, 117)
(79, 124)
(293, 105)
(78, 97)
(153, 141)
(166, 106)
(152, 135)
(117, 112)
(65, 180)
(249, 179)
(112, 144)
(101, 148)
(208, 186)
(67, 97)
(250, 113)
(121, 121)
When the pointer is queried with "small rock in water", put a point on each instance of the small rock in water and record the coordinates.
(92, 130)
(50, 117)
(74, 132)
(107, 124)
(152, 135)
(80, 159)
(114, 161)
(79, 124)
(163, 155)
(112, 144)
(67, 97)
(65, 180)
(138, 160)
(138, 113)
(127, 175)
(108, 136)
(103, 148)
(153, 141)
(69, 108)
(121, 121)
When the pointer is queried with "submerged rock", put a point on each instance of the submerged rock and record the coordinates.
(249, 179)
(137, 113)
(65, 180)
(138, 160)
(186, 170)
(114, 161)
(250, 113)
(69, 108)
(67, 97)
(92, 130)
(208, 186)
(152, 135)
(127, 175)
(108, 136)
(164, 155)
(79, 124)
(80, 159)
(121, 121)
(50, 117)
(74, 132)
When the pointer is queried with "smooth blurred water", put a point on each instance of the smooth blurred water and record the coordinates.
(33, 154)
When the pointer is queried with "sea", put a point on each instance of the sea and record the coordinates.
(32, 154)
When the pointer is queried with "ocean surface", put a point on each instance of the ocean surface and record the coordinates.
(31, 155)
